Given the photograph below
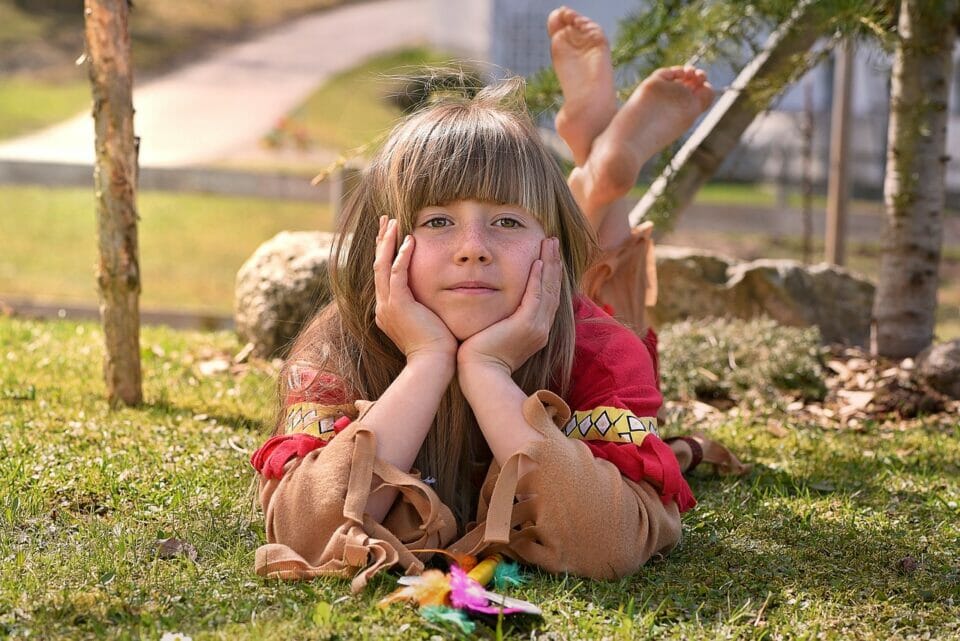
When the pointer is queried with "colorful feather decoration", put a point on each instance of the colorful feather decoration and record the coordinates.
(462, 589)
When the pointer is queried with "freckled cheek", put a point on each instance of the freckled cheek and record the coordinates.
(525, 254)
(423, 272)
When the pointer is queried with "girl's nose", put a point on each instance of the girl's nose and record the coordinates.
(473, 247)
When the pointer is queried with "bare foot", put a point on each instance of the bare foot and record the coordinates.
(581, 58)
(658, 112)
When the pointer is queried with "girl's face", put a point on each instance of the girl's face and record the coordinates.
(471, 262)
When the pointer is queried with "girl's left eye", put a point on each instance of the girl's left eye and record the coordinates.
(509, 223)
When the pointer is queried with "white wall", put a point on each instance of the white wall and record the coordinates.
(462, 27)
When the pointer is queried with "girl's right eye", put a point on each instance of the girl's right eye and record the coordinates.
(436, 222)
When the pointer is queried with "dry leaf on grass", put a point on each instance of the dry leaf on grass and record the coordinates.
(172, 548)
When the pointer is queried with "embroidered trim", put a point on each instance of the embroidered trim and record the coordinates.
(313, 419)
(609, 424)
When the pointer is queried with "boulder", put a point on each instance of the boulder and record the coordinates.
(939, 367)
(280, 287)
(698, 284)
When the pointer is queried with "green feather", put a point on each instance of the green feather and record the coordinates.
(507, 574)
(443, 614)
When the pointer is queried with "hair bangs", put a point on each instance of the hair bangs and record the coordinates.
(472, 154)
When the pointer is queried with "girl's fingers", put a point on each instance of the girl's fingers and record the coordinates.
(399, 271)
(550, 279)
(383, 259)
(382, 225)
(542, 295)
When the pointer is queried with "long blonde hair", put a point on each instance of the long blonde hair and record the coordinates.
(485, 149)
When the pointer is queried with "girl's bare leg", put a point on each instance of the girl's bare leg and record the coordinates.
(658, 112)
(581, 59)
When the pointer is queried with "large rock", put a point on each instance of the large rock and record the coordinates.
(280, 287)
(939, 367)
(697, 284)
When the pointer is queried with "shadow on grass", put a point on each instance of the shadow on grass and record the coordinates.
(164, 407)
(773, 538)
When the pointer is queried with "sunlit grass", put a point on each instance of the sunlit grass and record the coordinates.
(833, 534)
(191, 245)
(28, 104)
(352, 109)
(41, 45)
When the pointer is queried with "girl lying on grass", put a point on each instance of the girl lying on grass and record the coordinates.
(472, 304)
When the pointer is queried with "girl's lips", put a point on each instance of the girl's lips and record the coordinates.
(472, 290)
(472, 287)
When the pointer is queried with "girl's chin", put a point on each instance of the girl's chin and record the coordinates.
(463, 329)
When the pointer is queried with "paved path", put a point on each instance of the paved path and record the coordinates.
(207, 110)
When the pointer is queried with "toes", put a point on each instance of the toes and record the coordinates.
(555, 21)
(690, 74)
(560, 18)
(669, 73)
(569, 15)
(693, 78)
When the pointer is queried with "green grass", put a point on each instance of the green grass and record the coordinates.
(191, 245)
(27, 104)
(161, 32)
(351, 110)
(40, 84)
(811, 544)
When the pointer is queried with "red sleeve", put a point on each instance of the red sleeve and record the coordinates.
(274, 454)
(613, 367)
(652, 461)
(308, 385)
(304, 385)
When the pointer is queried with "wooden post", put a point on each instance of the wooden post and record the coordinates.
(838, 180)
(115, 177)
(806, 205)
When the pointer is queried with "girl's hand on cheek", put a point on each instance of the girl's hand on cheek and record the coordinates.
(414, 329)
(508, 344)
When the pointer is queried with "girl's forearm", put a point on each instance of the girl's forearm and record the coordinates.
(497, 402)
(401, 419)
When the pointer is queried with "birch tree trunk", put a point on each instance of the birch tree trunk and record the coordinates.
(906, 300)
(115, 177)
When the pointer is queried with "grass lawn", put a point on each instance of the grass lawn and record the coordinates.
(27, 104)
(191, 245)
(351, 110)
(834, 534)
(40, 85)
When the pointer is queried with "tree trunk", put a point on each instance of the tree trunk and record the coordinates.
(115, 177)
(779, 63)
(906, 299)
